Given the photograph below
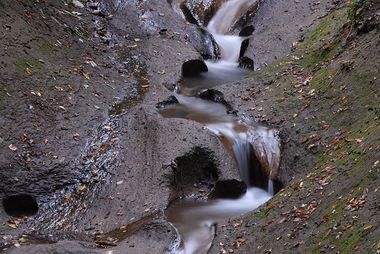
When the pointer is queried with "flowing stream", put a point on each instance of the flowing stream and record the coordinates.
(226, 69)
(194, 220)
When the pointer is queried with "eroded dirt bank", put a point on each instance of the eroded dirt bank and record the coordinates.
(325, 95)
(81, 135)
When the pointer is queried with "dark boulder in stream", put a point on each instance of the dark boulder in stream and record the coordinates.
(193, 68)
(215, 96)
(243, 47)
(169, 101)
(228, 189)
(246, 63)
(203, 42)
(247, 31)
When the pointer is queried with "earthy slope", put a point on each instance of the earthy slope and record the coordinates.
(325, 95)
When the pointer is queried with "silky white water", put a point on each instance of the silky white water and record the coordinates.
(226, 68)
(195, 220)
(220, 25)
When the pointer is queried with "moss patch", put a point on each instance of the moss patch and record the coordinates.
(27, 66)
(46, 48)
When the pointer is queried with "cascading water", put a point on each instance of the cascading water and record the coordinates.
(226, 69)
(219, 26)
(242, 150)
(195, 220)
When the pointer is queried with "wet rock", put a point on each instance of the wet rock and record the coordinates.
(243, 47)
(155, 237)
(228, 189)
(195, 171)
(63, 247)
(258, 176)
(203, 42)
(193, 68)
(200, 11)
(266, 145)
(246, 63)
(247, 31)
(169, 101)
(215, 96)
(188, 14)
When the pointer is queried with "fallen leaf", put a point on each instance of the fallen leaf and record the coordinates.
(12, 147)
(86, 75)
(29, 71)
(12, 225)
(82, 188)
(76, 136)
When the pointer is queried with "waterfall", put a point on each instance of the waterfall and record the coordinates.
(221, 24)
(243, 153)
(226, 16)
(270, 187)
(255, 148)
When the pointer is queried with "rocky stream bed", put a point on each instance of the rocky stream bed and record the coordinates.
(90, 162)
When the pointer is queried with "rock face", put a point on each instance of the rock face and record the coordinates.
(193, 68)
(198, 12)
(84, 130)
(228, 189)
(278, 32)
(63, 247)
(246, 63)
(203, 42)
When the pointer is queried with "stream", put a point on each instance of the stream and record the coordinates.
(254, 147)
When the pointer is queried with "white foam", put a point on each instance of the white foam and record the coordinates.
(197, 222)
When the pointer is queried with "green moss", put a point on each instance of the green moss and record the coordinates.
(261, 214)
(323, 29)
(323, 40)
(321, 79)
(347, 98)
(354, 9)
(361, 85)
(46, 48)
(348, 244)
(22, 64)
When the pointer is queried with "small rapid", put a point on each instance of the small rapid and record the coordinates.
(196, 221)
(225, 69)
(254, 147)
